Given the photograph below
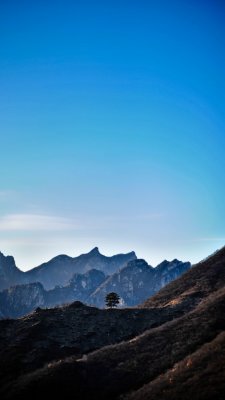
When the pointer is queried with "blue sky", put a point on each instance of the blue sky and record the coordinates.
(112, 128)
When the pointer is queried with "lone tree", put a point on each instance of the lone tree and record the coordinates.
(112, 300)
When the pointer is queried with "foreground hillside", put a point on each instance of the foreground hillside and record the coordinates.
(171, 348)
(28, 343)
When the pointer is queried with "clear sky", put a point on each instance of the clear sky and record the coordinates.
(112, 128)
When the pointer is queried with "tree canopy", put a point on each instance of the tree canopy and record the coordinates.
(112, 300)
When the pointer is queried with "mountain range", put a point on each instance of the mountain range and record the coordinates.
(87, 278)
(60, 269)
(169, 347)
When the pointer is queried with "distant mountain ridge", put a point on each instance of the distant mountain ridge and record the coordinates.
(21, 299)
(9, 273)
(60, 269)
(134, 282)
(138, 281)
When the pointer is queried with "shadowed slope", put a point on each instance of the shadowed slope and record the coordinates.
(195, 306)
(194, 285)
(113, 370)
(47, 335)
(204, 369)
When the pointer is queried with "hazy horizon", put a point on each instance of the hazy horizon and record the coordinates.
(112, 129)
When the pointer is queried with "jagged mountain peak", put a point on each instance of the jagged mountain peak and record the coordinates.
(59, 270)
(9, 258)
(131, 253)
(136, 281)
(94, 251)
(170, 264)
(9, 273)
(138, 263)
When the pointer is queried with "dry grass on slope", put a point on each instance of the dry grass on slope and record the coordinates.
(28, 343)
(119, 369)
(200, 376)
(194, 285)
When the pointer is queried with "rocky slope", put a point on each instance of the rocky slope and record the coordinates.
(80, 288)
(9, 273)
(134, 283)
(22, 299)
(138, 280)
(180, 354)
(203, 279)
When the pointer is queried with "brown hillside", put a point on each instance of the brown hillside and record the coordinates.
(201, 375)
(194, 285)
(115, 370)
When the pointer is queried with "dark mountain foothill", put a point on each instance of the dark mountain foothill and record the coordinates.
(170, 347)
